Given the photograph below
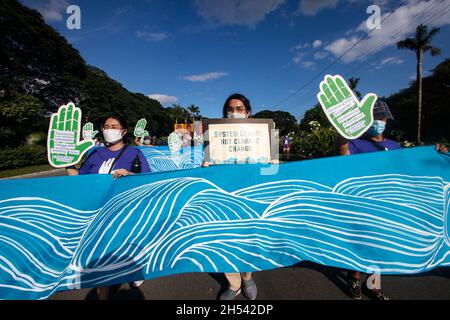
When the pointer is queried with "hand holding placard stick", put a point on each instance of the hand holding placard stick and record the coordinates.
(347, 114)
(64, 147)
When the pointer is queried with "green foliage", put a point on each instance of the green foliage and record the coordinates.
(317, 142)
(18, 114)
(314, 114)
(178, 114)
(436, 113)
(284, 121)
(11, 158)
(20, 109)
(194, 111)
(38, 62)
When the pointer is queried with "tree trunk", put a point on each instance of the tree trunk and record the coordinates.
(419, 95)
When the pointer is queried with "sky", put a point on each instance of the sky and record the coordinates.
(275, 52)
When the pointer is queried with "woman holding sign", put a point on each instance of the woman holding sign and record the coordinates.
(116, 157)
(372, 141)
(238, 106)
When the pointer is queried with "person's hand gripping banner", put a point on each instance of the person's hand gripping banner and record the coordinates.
(139, 130)
(347, 114)
(64, 147)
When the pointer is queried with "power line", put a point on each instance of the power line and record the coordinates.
(380, 44)
(436, 16)
(337, 59)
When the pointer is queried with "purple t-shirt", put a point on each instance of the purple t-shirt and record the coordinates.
(364, 146)
(101, 158)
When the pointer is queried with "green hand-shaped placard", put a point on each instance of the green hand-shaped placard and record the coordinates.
(139, 129)
(88, 131)
(64, 147)
(347, 114)
(174, 142)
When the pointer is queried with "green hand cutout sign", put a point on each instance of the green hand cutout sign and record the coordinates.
(139, 129)
(64, 147)
(88, 131)
(174, 142)
(347, 114)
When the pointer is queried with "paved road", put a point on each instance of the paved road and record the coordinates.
(303, 281)
(42, 174)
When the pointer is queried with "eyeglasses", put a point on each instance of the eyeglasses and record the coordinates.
(238, 109)
(114, 127)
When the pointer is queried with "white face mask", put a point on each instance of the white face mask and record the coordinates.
(112, 135)
(237, 115)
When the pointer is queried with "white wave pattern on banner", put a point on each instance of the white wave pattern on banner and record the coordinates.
(166, 160)
(190, 224)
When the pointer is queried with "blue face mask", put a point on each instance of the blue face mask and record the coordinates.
(377, 128)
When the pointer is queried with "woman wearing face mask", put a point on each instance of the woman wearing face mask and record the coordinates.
(372, 141)
(116, 157)
(146, 142)
(238, 106)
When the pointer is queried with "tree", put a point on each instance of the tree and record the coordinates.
(284, 121)
(353, 83)
(314, 114)
(194, 110)
(36, 61)
(18, 117)
(178, 113)
(436, 95)
(420, 44)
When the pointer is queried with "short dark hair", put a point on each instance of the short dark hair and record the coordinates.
(240, 97)
(117, 117)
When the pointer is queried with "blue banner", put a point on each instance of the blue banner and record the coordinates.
(162, 159)
(384, 211)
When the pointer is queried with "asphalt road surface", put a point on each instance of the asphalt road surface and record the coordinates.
(303, 281)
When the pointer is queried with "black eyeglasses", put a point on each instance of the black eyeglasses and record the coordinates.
(238, 109)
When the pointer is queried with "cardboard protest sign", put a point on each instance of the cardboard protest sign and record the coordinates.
(347, 114)
(238, 140)
(64, 147)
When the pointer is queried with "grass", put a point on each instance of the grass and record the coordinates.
(25, 170)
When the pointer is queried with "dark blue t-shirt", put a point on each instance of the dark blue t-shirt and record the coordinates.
(101, 158)
(364, 146)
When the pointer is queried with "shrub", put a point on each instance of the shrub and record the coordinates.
(11, 158)
(317, 142)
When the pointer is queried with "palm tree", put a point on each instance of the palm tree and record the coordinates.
(194, 110)
(421, 43)
(353, 84)
(178, 113)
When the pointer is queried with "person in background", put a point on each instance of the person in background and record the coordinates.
(237, 106)
(146, 142)
(187, 136)
(441, 148)
(286, 142)
(373, 140)
(115, 158)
